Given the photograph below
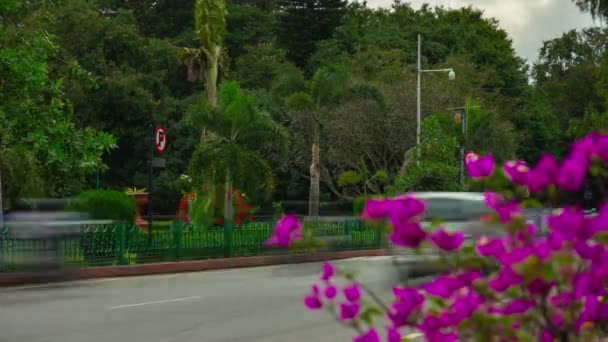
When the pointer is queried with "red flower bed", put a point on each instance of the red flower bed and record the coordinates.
(242, 209)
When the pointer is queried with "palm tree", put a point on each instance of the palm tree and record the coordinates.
(241, 137)
(204, 62)
(327, 86)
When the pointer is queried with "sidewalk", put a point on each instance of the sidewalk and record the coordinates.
(13, 279)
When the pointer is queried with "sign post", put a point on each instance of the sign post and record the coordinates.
(158, 139)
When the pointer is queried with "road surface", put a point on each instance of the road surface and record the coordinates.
(261, 304)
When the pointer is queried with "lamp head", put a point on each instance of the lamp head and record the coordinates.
(452, 75)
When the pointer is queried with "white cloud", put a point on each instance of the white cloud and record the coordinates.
(528, 22)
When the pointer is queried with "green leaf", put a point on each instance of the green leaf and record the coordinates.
(529, 268)
(368, 314)
(381, 176)
(601, 237)
(349, 178)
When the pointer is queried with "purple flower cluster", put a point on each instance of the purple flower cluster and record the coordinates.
(545, 287)
(287, 231)
(403, 213)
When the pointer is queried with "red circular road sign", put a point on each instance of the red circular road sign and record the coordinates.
(160, 137)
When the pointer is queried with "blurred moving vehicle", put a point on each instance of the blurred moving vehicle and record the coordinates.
(30, 241)
(460, 211)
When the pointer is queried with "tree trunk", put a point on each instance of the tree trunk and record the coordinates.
(228, 205)
(315, 175)
(211, 72)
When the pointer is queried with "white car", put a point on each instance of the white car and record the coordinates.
(459, 211)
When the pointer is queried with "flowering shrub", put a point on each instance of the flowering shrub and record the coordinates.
(544, 287)
(243, 211)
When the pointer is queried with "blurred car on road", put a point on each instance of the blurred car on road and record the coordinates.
(459, 211)
(32, 234)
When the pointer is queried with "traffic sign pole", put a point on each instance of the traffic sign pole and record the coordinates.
(152, 139)
(158, 142)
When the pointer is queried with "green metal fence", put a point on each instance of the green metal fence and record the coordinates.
(123, 244)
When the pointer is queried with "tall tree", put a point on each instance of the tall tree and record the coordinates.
(567, 70)
(326, 87)
(303, 23)
(204, 62)
(242, 138)
(42, 151)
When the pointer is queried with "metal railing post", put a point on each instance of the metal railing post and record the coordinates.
(228, 238)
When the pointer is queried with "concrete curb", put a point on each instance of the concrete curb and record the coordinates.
(13, 279)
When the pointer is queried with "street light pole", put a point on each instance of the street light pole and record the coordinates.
(418, 101)
(419, 70)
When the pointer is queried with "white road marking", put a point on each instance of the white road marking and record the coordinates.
(156, 302)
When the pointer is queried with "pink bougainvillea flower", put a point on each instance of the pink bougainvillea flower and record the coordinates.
(408, 300)
(588, 250)
(408, 234)
(591, 311)
(558, 320)
(585, 148)
(431, 327)
(464, 307)
(571, 175)
(505, 279)
(517, 171)
(408, 295)
(480, 167)
(327, 271)
(546, 336)
(370, 336)
(376, 209)
(543, 174)
(562, 300)
(406, 208)
(487, 247)
(349, 311)
(519, 306)
(467, 278)
(446, 240)
(352, 293)
(313, 301)
(516, 255)
(538, 286)
(288, 230)
(599, 223)
(507, 211)
(492, 199)
(443, 286)
(588, 284)
(393, 335)
(555, 241)
(399, 313)
(330, 292)
(569, 222)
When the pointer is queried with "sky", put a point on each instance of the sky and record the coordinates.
(528, 22)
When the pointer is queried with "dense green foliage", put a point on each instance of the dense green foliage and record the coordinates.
(104, 205)
(79, 78)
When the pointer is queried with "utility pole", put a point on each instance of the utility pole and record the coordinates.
(451, 77)
(418, 100)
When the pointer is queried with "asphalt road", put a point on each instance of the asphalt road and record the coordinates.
(253, 305)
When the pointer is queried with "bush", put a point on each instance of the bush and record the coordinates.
(104, 205)
(428, 176)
